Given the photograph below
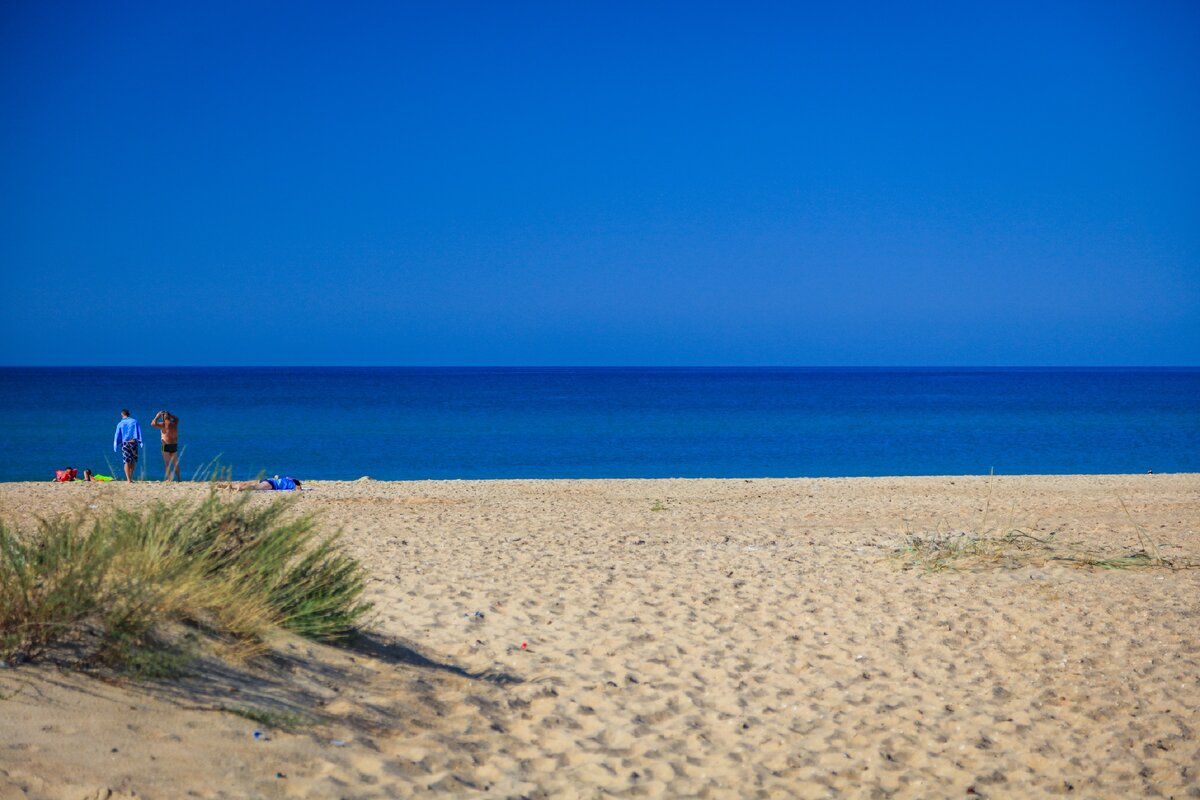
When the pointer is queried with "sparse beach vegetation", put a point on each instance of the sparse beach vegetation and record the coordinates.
(764, 618)
(1009, 546)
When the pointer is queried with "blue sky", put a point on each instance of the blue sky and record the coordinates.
(560, 183)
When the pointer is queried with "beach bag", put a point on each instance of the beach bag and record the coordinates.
(64, 475)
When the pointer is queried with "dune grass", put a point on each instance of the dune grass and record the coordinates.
(957, 549)
(981, 546)
(109, 585)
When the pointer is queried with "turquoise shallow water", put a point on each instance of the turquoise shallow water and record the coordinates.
(412, 423)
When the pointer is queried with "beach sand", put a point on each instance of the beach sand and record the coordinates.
(751, 638)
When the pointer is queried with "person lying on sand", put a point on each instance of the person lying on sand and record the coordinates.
(277, 484)
(70, 475)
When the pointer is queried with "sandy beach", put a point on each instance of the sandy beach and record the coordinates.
(672, 638)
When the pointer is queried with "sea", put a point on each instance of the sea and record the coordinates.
(613, 422)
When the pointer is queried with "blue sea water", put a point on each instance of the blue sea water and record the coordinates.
(412, 423)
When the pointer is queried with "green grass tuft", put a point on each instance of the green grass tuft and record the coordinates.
(233, 570)
(50, 583)
(149, 660)
(270, 718)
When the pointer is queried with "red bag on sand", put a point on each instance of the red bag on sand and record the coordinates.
(64, 475)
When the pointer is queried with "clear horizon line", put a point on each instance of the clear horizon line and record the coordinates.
(606, 366)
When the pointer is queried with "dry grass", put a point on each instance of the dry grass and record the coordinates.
(985, 546)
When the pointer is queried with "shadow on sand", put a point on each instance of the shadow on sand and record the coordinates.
(373, 684)
(395, 651)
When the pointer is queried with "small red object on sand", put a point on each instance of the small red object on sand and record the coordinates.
(524, 645)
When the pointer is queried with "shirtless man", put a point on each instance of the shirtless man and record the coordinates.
(168, 423)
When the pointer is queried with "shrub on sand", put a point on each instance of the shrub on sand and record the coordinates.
(234, 570)
(50, 583)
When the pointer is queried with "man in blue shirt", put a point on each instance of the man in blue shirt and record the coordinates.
(126, 442)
